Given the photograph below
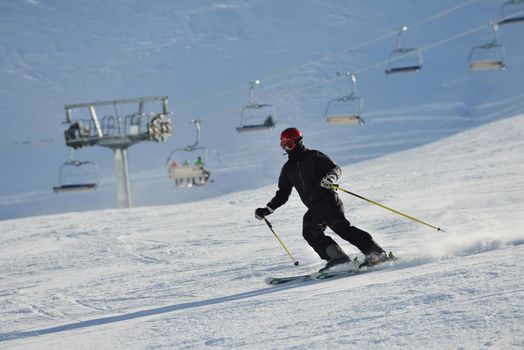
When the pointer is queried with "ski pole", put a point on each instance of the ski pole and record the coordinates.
(337, 187)
(295, 261)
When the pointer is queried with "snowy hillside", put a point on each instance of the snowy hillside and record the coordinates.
(202, 54)
(190, 276)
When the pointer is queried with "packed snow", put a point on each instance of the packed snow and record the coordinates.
(202, 54)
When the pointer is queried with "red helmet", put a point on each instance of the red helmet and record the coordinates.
(290, 138)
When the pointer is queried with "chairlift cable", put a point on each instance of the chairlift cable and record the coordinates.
(511, 15)
(372, 41)
(425, 48)
(6, 146)
(276, 75)
(455, 37)
(374, 65)
(333, 55)
(360, 70)
(384, 62)
(441, 42)
(442, 14)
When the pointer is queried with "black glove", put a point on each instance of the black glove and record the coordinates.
(260, 213)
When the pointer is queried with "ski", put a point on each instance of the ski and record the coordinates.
(281, 280)
(334, 273)
(358, 268)
(313, 276)
(331, 274)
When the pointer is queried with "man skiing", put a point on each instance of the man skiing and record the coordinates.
(313, 175)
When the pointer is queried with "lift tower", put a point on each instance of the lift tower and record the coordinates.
(118, 133)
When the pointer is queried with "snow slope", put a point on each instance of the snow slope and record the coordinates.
(203, 53)
(190, 276)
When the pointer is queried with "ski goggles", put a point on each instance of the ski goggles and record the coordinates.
(288, 145)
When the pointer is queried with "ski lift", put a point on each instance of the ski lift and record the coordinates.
(256, 116)
(186, 174)
(489, 56)
(346, 109)
(404, 60)
(76, 175)
(512, 11)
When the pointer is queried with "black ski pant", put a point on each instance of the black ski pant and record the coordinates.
(329, 212)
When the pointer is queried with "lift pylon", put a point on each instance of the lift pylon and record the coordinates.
(117, 133)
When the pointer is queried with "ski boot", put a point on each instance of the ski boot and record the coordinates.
(335, 262)
(376, 258)
(335, 257)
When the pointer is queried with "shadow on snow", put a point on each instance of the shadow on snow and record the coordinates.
(145, 313)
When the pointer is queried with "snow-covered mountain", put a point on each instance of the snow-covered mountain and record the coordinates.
(190, 276)
(202, 54)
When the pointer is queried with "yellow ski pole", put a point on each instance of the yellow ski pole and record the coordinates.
(295, 261)
(337, 187)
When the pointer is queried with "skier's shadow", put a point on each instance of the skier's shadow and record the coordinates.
(145, 313)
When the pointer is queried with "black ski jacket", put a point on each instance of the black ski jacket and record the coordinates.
(304, 170)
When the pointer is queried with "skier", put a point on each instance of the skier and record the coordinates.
(199, 162)
(173, 170)
(313, 174)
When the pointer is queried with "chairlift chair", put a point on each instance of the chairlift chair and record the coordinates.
(512, 11)
(76, 175)
(186, 174)
(489, 56)
(346, 109)
(404, 60)
(256, 116)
